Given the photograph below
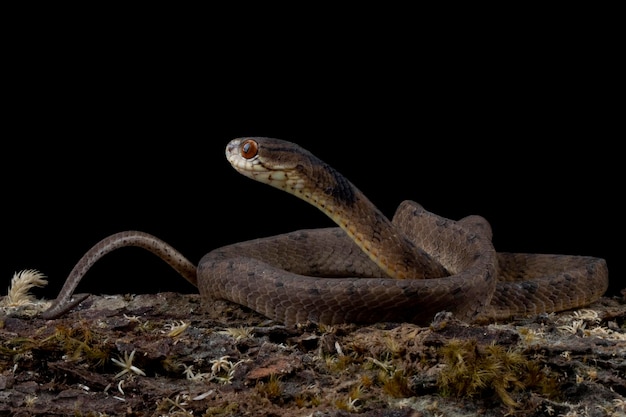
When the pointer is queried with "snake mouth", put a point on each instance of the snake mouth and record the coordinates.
(249, 167)
(231, 148)
(254, 166)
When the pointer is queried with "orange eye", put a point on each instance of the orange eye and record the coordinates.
(249, 149)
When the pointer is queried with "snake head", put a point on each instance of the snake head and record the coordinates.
(289, 167)
(270, 161)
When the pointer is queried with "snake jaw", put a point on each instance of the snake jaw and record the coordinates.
(276, 174)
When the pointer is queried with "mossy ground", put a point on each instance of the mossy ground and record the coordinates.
(228, 361)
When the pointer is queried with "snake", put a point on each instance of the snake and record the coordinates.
(366, 269)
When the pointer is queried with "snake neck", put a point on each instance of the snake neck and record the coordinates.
(374, 233)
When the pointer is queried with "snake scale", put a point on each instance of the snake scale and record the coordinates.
(370, 268)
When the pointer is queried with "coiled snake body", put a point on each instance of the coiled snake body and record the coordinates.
(369, 269)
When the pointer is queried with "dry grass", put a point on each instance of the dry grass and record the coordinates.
(21, 283)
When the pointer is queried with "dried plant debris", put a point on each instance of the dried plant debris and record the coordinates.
(168, 355)
(19, 291)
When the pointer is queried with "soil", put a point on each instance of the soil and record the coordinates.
(168, 355)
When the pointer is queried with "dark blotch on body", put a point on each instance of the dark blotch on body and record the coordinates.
(343, 190)
(529, 286)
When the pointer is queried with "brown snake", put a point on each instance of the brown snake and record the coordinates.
(369, 269)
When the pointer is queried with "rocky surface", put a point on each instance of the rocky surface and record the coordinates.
(168, 355)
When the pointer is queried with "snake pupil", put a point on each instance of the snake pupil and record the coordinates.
(249, 149)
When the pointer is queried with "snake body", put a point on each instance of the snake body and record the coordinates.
(368, 269)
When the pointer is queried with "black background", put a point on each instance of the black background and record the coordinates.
(124, 127)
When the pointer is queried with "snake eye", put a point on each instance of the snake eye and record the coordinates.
(249, 149)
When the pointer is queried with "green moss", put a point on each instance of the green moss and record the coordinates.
(226, 409)
(472, 370)
(396, 385)
(80, 343)
(272, 389)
